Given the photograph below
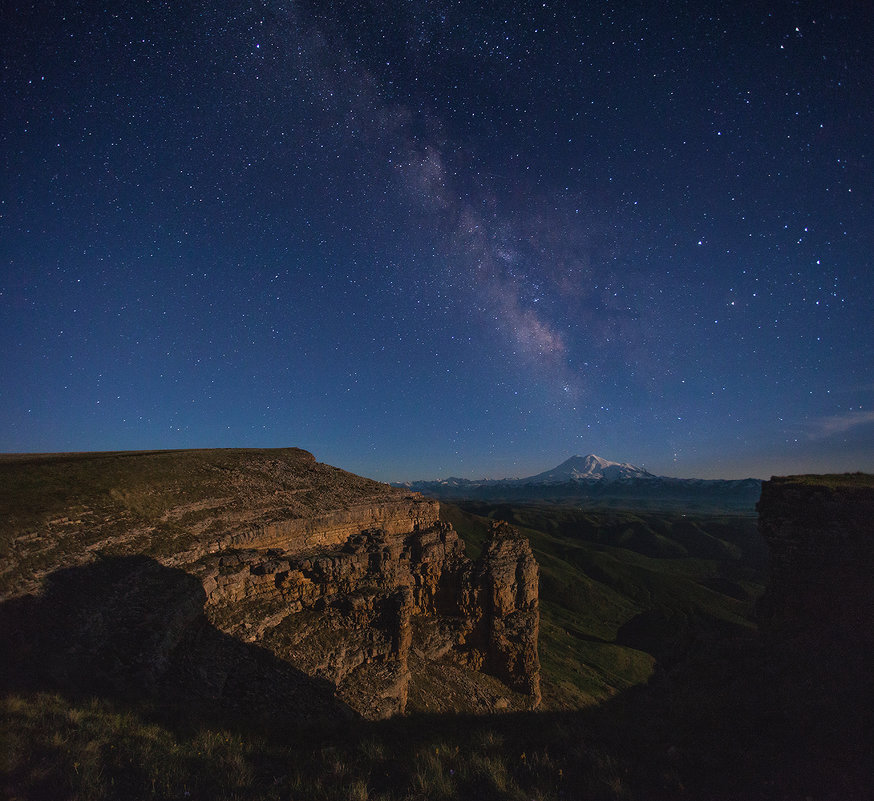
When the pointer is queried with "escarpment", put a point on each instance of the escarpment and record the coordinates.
(351, 614)
(261, 578)
(817, 614)
(820, 531)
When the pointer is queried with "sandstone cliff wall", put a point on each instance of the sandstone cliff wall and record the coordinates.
(508, 584)
(396, 516)
(351, 613)
(261, 563)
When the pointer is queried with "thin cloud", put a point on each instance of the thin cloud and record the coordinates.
(841, 423)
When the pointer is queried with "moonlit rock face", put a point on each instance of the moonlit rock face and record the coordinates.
(582, 468)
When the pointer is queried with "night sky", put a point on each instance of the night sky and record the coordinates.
(424, 239)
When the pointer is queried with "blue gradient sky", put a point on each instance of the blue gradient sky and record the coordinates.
(425, 239)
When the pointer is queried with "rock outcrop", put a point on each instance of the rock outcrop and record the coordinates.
(817, 615)
(820, 531)
(351, 614)
(507, 580)
(344, 582)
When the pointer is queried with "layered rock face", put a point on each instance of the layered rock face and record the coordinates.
(506, 578)
(352, 614)
(273, 579)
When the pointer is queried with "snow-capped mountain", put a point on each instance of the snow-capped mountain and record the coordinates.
(585, 468)
(596, 481)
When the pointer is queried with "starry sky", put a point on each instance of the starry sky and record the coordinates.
(424, 239)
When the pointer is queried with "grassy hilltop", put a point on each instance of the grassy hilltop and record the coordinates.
(58, 509)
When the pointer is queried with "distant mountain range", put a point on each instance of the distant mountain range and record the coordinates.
(591, 480)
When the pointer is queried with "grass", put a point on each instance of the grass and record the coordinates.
(88, 749)
(708, 728)
(91, 749)
(832, 480)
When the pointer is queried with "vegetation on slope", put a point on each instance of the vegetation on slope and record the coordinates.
(620, 590)
(832, 480)
(711, 727)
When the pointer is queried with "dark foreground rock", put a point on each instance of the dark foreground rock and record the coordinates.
(820, 532)
(817, 615)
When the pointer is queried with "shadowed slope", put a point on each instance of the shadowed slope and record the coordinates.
(129, 628)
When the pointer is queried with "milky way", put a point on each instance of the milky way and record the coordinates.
(423, 239)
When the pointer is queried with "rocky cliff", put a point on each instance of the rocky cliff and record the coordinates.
(817, 614)
(217, 570)
(820, 532)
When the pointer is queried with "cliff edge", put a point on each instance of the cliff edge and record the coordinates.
(817, 614)
(258, 578)
(820, 532)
